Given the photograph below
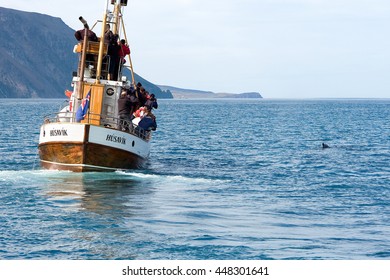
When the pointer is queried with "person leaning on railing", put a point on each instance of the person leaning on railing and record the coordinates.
(151, 102)
(148, 121)
(124, 111)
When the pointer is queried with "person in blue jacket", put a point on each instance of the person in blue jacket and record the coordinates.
(148, 122)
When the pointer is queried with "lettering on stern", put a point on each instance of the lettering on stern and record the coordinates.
(59, 132)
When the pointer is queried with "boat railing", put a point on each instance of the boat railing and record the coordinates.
(105, 121)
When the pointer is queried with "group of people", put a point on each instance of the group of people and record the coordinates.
(137, 103)
(116, 52)
(134, 102)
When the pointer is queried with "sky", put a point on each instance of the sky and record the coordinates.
(280, 48)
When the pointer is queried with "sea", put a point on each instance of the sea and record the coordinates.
(227, 179)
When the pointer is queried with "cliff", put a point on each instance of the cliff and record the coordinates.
(37, 58)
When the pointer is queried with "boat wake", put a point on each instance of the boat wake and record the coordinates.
(44, 177)
(170, 178)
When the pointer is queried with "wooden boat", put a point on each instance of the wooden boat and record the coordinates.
(94, 142)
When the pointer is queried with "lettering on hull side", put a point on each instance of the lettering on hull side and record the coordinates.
(58, 132)
(116, 139)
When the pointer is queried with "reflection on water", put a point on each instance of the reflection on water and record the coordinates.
(99, 211)
(96, 192)
(65, 215)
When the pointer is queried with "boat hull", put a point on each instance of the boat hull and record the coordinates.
(84, 147)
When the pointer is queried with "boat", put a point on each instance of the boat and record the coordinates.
(87, 134)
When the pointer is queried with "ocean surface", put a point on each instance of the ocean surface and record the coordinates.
(226, 179)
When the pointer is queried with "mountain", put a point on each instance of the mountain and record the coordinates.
(192, 93)
(35, 55)
(37, 59)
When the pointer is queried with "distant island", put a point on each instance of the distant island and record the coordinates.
(180, 93)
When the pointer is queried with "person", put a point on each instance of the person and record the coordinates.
(137, 92)
(123, 51)
(108, 35)
(113, 53)
(151, 102)
(124, 111)
(142, 96)
(133, 99)
(79, 35)
(139, 113)
(147, 122)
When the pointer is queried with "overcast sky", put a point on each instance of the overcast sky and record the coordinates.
(280, 48)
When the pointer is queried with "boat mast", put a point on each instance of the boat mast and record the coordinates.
(116, 24)
(83, 57)
(101, 47)
(117, 9)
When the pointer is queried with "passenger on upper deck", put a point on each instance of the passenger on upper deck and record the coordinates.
(124, 50)
(79, 35)
(113, 53)
(108, 35)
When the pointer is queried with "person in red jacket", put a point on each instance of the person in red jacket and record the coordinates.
(123, 51)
